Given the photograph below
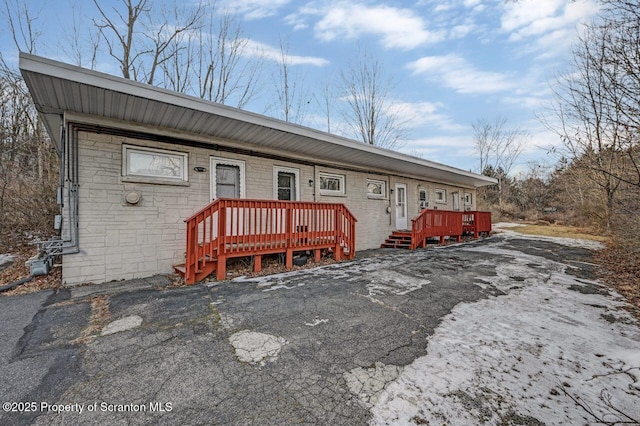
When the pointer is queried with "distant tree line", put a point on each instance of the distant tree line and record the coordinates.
(596, 114)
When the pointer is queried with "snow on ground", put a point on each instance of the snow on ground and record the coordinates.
(543, 353)
(380, 273)
(532, 356)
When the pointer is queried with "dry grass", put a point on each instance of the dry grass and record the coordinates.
(100, 316)
(559, 231)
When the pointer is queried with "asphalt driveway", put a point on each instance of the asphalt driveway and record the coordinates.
(318, 346)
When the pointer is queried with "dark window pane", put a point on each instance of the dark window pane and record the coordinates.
(286, 186)
(227, 181)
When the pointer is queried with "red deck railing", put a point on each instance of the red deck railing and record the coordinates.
(476, 223)
(240, 227)
(445, 223)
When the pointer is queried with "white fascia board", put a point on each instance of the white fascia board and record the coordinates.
(40, 65)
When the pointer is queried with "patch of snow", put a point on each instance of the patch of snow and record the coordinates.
(254, 347)
(503, 225)
(523, 355)
(281, 287)
(6, 259)
(276, 281)
(386, 281)
(316, 321)
(122, 324)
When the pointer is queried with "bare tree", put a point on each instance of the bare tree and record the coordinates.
(141, 41)
(588, 114)
(28, 168)
(21, 22)
(292, 99)
(327, 102)
(370, 112)
(498, 148)
(79, 42)
(122, 49)
(497, 145)
(178, 69)
(225, 74)
(620, 29)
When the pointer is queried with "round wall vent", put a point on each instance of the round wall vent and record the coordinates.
(132, 197)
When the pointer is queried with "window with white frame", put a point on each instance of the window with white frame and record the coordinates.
(227, 178)
(286, 183)
(468, 198)
(423, 200)
(331, 184)
(154, 164)
(441, 196)
(376, 188)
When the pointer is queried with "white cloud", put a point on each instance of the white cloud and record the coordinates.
(548, 24)
(529, 102)
(397, 27)
(475, 5)
(418, 114)
(443, 7)
(262, 50)
(442, 149)
(461, 31)
(254, 9)
(455, 72)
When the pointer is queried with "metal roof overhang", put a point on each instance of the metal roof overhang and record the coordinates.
(58, 88)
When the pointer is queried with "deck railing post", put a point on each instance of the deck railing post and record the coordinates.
(190, 264)
(289, 235)
(221, 268)
(338, 231)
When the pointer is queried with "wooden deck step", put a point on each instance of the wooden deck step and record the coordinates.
(398, 240)
(203, 272)
(395, 246)
(403, 234)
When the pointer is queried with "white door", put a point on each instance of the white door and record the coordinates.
(456, 201)
(401, 206)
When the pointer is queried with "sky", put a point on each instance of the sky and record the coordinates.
(452, 62)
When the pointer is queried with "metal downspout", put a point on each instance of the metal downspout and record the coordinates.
(73, 192)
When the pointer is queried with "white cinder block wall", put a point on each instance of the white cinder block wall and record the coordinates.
(121, 241)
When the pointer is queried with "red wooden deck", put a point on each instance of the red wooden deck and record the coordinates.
(445, 223)
(229, 228)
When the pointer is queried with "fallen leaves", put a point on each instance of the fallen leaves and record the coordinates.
(19, 270)
(621, 270)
